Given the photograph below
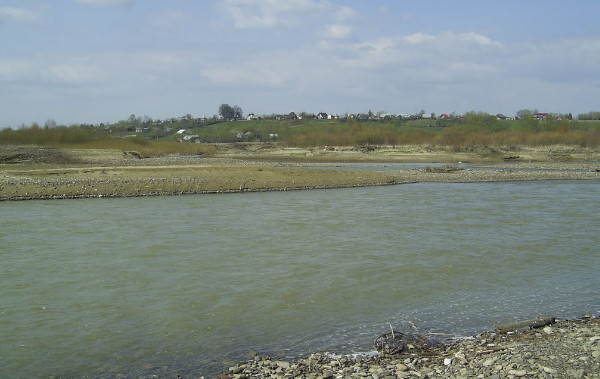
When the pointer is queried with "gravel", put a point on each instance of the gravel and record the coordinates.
(567, 349)
(171, 176)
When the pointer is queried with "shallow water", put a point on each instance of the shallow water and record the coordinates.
(190, 284)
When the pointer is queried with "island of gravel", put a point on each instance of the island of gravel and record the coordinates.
(32, 172)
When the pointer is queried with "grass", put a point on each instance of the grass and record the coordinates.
(472, 131)
(148, 148)
(89, 138)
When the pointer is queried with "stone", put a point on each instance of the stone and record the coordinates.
(236, 370)
(575, 373)
(464, 371)
(517, 373)
(549, 370)
(401, 367)
(283, 364)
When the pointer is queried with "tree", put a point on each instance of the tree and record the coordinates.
(226, 111)
(230, 113)
(133, 120)
(49, 124)
(481, 119)
(526, 113)
(237, 112)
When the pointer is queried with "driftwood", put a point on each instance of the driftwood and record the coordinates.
(535, 323)
(444, 169)
(133, 154)
(394, 342)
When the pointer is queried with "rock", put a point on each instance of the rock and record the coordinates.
(549, 370)
(570, 351)
(517, 373)
(236, 370)
(283, 364)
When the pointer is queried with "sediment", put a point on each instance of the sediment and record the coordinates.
(567, 349)
(179, 176)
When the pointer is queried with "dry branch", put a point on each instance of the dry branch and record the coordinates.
(535, 323)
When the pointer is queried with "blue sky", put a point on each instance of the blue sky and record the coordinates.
(92, 61)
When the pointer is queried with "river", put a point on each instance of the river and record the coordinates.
(191, 284)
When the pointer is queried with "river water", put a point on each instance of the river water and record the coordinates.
(191, 284)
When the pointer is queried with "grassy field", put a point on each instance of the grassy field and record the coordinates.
(470, 132)
(461, 134)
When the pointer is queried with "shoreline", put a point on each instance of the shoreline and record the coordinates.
(111, 174)
(566, 348)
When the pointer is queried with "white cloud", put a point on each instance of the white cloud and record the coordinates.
(51, 70)
(107, 3)
(13, 69)
(344, 13)
(338, 31)
(271, 13)
(418, 38)
(566, 60)
(266, 13)
(265, 70)
(169, 18)
(72, 74)
(472, 37)
(17, 15)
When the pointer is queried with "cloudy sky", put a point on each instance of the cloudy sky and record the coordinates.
(92, 61)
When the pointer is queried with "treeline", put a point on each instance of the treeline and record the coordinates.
(589, 116)
(56, 135)
(464, 132)
(96, 138)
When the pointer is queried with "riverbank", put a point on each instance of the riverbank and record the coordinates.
(566, 349)
(43, 173)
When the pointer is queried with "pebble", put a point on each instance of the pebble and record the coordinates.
(553, 355)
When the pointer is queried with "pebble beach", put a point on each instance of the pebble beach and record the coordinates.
(566, 349)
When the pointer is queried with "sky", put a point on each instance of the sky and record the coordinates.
(94, 61)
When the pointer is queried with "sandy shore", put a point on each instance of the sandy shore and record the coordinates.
(50, 174)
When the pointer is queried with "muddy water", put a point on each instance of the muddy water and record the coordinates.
(189, 284)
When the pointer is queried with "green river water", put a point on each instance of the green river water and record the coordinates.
(190, 284)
